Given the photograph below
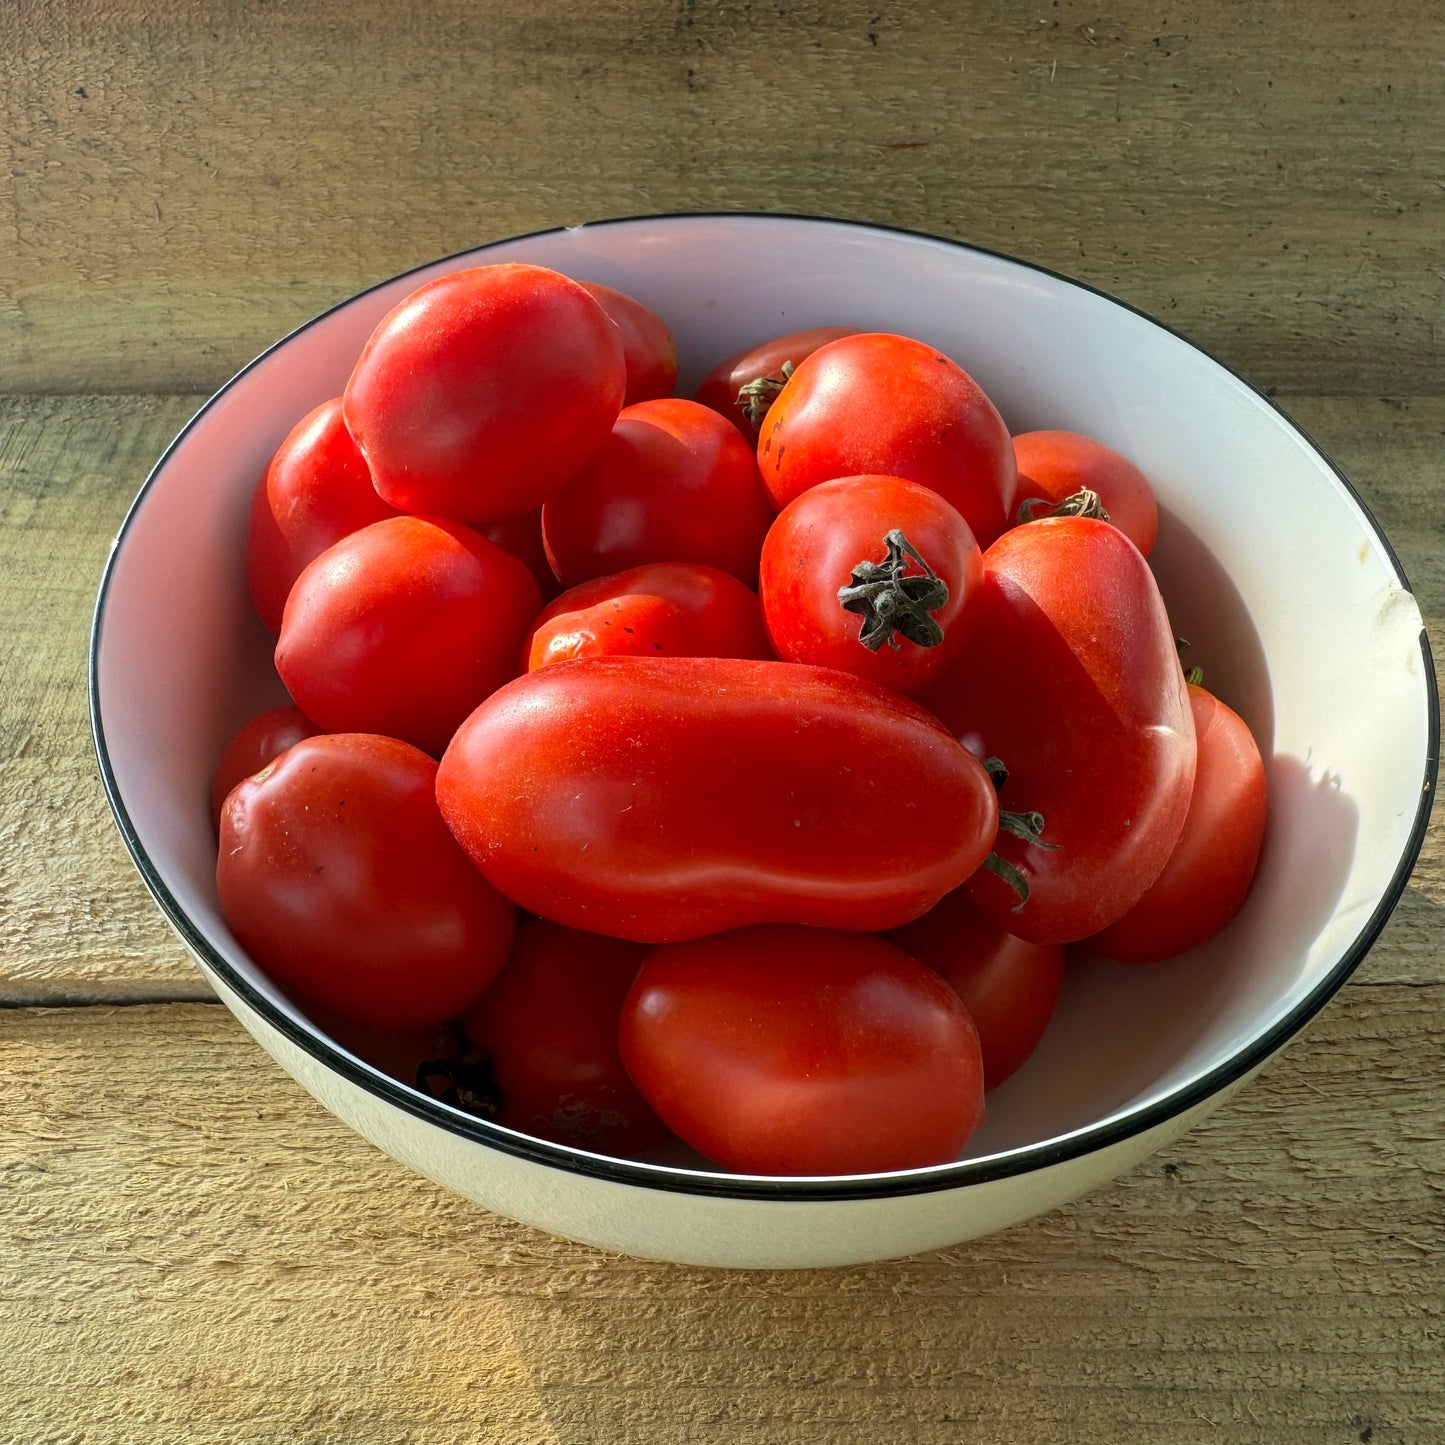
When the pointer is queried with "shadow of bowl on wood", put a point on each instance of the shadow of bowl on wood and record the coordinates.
(1289, 592)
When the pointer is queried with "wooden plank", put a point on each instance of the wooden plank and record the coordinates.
(180, 183)
(78, 925)
(192, 1250)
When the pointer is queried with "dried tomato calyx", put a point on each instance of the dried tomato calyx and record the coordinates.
(1083, 503)
(1029, 827)
(757, 396)
(892, 600)
(460, 1075)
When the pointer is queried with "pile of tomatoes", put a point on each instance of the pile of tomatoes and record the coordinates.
(734, 769)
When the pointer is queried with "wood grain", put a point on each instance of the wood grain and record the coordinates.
(181, 182)
(192, 1250)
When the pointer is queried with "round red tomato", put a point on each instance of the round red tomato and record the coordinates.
(668, 609)
(1208, 874)
(872, 575)
(549, 1026)
(316, 490)
(1071, 678)
(259, 742)
(484, 390)
(403, 628)
(339, 878)
(760, 372)
(786, 1050)
(522, 537)
(661, 798)
(647, 347)
(877, 403)
(1009, 986)
(673, 483)
(1054, 466)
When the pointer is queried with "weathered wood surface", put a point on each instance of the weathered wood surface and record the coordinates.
(191, 1250)
(182, 182)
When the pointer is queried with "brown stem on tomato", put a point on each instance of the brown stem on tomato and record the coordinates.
(1084, 503)
(892, 600)
(460, 1075)
(757, 396)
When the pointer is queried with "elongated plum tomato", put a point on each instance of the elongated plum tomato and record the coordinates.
(1009, 986)
(1208, 874)
(647, 346)
(1070, 677)
(673, 483)
(549, 1026)
(662, 798)
(873, 575)
(338, 876)
(1054, 466)
(484, 390)
(667, 609)
(315, 491)
(760, 371)
(883, 404)
(787, 1050)
(260, 741)
(403, 628)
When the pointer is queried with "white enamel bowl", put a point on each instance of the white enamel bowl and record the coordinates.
(1291, 595)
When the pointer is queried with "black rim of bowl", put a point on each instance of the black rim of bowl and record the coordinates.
(689, 1181)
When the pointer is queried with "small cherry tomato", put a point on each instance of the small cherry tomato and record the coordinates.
(316, 490)
(522, 537)
(484, 390)
(1070, 677)
(787, 1050)
(260, 741)
(872, 575)
(882, 404)
(549, 1025)
(743, 387)
(1055, 467)
(1208, 874)
(667, 609)
(647, 346)
(1009, 986)
(339, 878)
(673, 483)
(403, 628)
(661, 798)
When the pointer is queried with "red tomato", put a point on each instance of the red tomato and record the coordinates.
(316, 490)
(673, 483)
(1071, 678)
(871, 575)
(1056, 465)
(876, 403)
(1208, 874)
(1009, 986)
(522, 537)
(261, 741)
(549, 1025)
(672, 609)
(661, 798)
(786, 1050)
(483, 391)
(647, 347)
(403, 628)
(722, 388)
(338, 877)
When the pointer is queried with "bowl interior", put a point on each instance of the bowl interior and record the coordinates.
(1268, 563)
